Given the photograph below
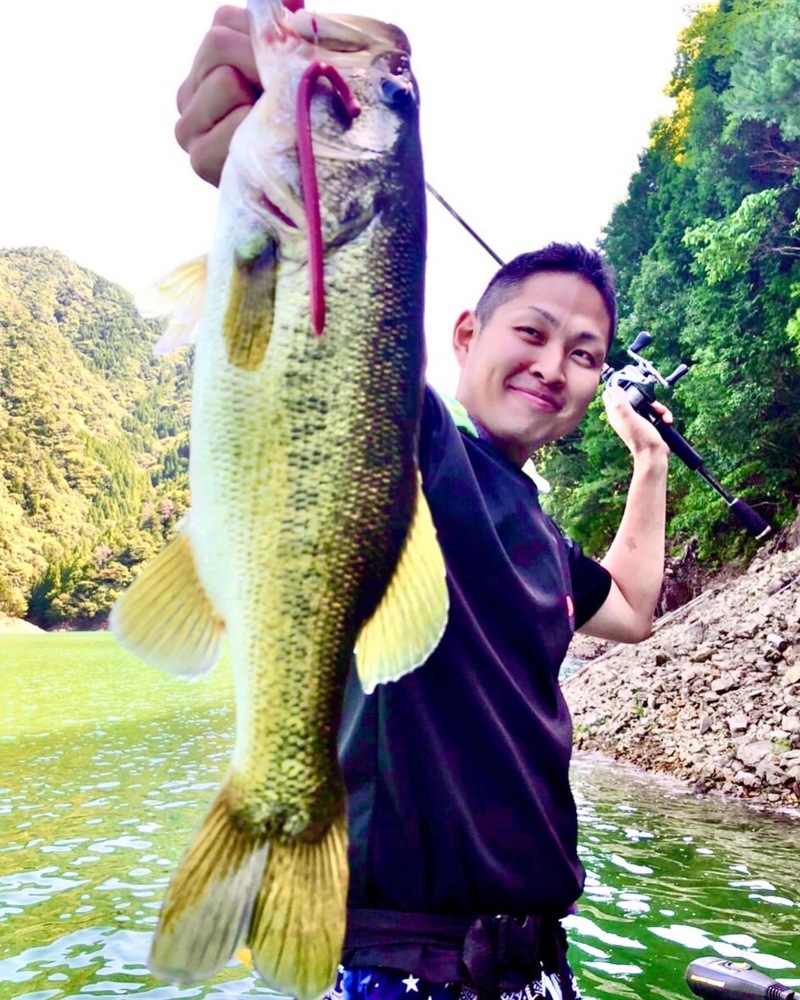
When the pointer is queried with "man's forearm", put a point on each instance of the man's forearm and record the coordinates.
(635, 559)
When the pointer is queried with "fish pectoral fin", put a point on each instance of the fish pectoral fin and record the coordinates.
(165, 616)
(298, 926)
(408, 623)
(251, 303)
(179, 298)
(210, 901)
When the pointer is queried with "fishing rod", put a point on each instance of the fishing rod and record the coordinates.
(723, 979)
(442, 201)
(639, 381)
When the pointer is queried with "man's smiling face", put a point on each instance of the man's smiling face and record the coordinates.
(530, 371)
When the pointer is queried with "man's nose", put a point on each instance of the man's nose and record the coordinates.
(548, 364)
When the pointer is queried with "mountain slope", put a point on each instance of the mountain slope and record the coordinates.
(93, 439)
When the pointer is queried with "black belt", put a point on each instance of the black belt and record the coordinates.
(487, 953)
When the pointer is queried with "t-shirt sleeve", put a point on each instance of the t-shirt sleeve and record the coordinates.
(591, 583)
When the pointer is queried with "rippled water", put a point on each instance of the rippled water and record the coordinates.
(106, 767)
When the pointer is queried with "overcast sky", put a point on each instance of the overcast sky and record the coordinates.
(533, 115)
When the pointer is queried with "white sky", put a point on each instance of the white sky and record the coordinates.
(533, 115)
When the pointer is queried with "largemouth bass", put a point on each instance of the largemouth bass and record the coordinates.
(309, 534)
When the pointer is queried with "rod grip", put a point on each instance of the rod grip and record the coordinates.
(755, 524)
(678, 444)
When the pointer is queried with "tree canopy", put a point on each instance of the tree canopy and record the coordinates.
(707, 252)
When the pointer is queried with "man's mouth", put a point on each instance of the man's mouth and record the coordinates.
(539, 398)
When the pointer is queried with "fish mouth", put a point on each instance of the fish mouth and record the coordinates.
(349, 33)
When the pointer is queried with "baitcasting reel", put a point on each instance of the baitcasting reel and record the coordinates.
(639, 380)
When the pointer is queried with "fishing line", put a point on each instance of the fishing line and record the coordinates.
(466, 225)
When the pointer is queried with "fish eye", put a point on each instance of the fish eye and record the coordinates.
(397, 63)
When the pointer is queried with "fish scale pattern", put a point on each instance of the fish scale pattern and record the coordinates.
(308, 491)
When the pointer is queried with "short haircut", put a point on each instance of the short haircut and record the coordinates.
(569, 258)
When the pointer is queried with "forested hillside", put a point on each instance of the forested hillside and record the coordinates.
(707, 250)
(93, 439)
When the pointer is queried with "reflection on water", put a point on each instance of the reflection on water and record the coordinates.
(671, 877)
(106, 767)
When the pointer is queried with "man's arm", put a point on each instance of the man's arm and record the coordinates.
(635, 559)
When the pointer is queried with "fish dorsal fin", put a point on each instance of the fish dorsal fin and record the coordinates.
(408, 623)
(178, 298)
(165, 616)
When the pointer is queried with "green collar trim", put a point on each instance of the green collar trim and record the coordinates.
(464, 422)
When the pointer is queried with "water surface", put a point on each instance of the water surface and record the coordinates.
(106, 766)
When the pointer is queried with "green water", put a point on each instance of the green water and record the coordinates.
(106, 766)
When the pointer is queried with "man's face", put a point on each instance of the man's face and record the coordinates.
(528, 374)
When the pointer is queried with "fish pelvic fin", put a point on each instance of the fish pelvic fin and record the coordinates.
(409, 622)
(179, 298)
(165, 616)
(209, 903)
(248, 320)
(299, 921)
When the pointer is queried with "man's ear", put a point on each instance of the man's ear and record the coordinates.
(464, 333)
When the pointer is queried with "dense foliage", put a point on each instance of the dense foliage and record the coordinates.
(707, 251)
(93, 439)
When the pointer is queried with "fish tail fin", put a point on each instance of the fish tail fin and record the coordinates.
(299, 921)
(210, 901)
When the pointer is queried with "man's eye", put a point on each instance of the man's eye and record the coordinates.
(585, 357)
(529, 331)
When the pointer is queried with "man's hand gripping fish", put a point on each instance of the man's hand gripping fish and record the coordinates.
(309, 534)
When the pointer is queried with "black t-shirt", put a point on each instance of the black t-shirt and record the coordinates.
(457, 775)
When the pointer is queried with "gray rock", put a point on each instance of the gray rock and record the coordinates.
(751, 753)
(724, 684)
(792, 676)
(738, 723)
(693, 634)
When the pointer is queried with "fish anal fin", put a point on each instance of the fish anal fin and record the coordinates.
(409, 622)
(165, 616)
(248, 320)
(210, 901)
(299, 921)
(179, 297)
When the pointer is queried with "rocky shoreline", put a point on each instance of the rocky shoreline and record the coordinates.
(713, 696)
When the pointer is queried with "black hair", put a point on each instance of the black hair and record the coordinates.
(569, 258)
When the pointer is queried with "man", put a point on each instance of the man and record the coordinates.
(459, 804)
